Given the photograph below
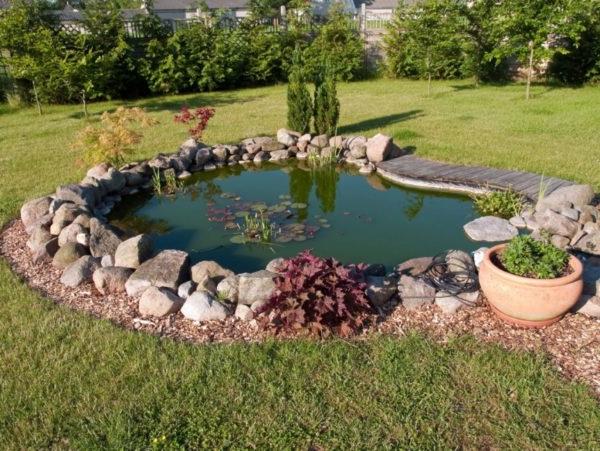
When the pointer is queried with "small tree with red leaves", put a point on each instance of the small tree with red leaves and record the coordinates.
(198, 119)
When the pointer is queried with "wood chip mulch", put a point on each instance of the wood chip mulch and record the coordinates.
(572, 344)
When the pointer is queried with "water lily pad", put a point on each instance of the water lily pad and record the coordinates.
(283, 239)
(286, 203)
(259, 207)
(242, 214)
(238, 239)
(323, 221)
(300, 238)
(284, 196)
(299, 205)
(325, 226)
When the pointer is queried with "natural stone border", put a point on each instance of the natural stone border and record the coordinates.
(70, 229)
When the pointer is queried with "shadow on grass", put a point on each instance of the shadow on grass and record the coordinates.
(214, 100)
(380, 122)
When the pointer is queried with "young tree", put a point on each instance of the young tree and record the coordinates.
(326, 105)
(534, 31)
(298, 97)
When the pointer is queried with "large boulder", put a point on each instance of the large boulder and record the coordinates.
(70, 232)
(202, 306)
(34, 209)
(228, 288)
(65, 215)
(203, 156)
(589, 243)
(414, 266)
(159, 302)
(113, 181)
(244, 313)
(68, 254)
(415, 292)
(133, 252)
(578, 195)
(168, 269)
(209, 269)
(39, 235)
(111, 279)
(220, 153)
(271, 145)
(45, 251)
(320, 141)
(79, 271)
(555, 223)
(256, 286)
(490, 228)
(280, 155)
(287, 137)
(104, 239)
(379, 148)
(588, 305)
(79, 195)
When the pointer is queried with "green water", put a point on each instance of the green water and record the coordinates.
(344, 215)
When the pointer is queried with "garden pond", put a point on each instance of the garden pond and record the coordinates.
(225, 214)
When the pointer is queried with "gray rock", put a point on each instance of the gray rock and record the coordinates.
(133, 252)
(70, 232)
(279, 155)
(79, 195)
(320, 141)
(111, 279)
(202, 306)
(186, 289)
(256, 286)
(45, 251)
(450, 303)
(184, 175)
(34, 209)
(276, 265)
(68, 254)
(286, 137)
(381, 289)
(39, 235)
(588, 214)
(415, 292)
(555, 223)
(259, 306)
(336, 142)
(159, 302)
(367, 169)
(203, 156)
(83, 219)
(518, 221)
(570, 213)
(379, 148)
(459, 261)
(113, 181)
(589, 243)
(107, 261)
(577, 195)
(169, 269)
(103, 238)
(79, 271)
(83, 238)
(588, 305)
(244, 313)
(301, 155)
(220, 153)
(228, 288)
(490, 228)
(271, 145)
(414, 266)
(98, 171)
(64, 216)
(358, 152)
(376, 270)
(189, 146)
(209, 269)
(560, 242)
(478, 256)
(261, 156)
(207, 284)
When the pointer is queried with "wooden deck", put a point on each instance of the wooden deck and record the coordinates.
(410, 170)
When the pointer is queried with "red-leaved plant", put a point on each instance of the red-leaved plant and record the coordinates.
(197, 117)
(319, 294)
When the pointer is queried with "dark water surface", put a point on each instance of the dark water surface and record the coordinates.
(345, 215)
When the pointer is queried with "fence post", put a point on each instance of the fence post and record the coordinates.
(283, 14)
(363, 34)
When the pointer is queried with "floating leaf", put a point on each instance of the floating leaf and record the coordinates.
(299, 205)
(300, 238)
(238, 239)
(242, 214)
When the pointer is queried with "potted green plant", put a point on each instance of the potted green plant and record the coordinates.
(530, 283)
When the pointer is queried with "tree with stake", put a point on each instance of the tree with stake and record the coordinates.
(298, 98)
(534, 31)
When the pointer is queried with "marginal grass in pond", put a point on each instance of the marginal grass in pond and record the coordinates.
(244, 217)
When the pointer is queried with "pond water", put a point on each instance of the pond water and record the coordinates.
(333, 211)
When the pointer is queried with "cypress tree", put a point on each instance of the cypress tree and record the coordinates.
(298, 97)
(327, 105)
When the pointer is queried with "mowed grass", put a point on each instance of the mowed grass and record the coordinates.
(71, 381)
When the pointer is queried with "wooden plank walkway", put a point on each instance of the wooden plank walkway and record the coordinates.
(417, 172)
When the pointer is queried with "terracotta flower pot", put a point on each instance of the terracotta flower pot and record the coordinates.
(529, 302)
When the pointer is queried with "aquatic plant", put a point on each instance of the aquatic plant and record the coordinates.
(165, 183)
(319, 294)
(258, 227)
(504, 204)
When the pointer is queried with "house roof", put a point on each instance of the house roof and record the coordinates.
(382, 4)
(162, 5)
(70, 14)
(4, 4)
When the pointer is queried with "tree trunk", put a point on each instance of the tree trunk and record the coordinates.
(529, 71)
(85, 110)
(429, 85)
(37, 100)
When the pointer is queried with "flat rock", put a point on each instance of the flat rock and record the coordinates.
(414, 266)
(490, 228)
(209, 269)
(104, 239)
(286, 137)
(379, 148)
(450, 303)
(65, 215)
(34, 209)
(68, 254)
(111, 279)
(577, 195)
(589, 243)
(159, 302)
(79, 271)
(78, 194)
(415, 292)
(202, 306)
(70, 232)
(588, 305)
(133, 252)
(169, 269)
(280, 155)
(255, 286)
(555, 223)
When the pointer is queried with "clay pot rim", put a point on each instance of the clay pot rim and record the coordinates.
(574, 263)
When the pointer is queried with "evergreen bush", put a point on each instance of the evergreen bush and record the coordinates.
(298, 98)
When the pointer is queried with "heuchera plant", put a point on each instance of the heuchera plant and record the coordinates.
(319, 294)
(197, 117)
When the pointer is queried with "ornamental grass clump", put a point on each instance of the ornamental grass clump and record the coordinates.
(318, 294)
(503, 204)
(527, 257)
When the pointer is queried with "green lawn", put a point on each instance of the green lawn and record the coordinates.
(71, 381)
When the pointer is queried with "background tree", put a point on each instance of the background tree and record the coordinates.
(298, 98)
(534, 31)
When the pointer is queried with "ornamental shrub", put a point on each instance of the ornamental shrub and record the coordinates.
(527, 257)
(298, 98)
(198, 119)
(326, 105)
(319, 294)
